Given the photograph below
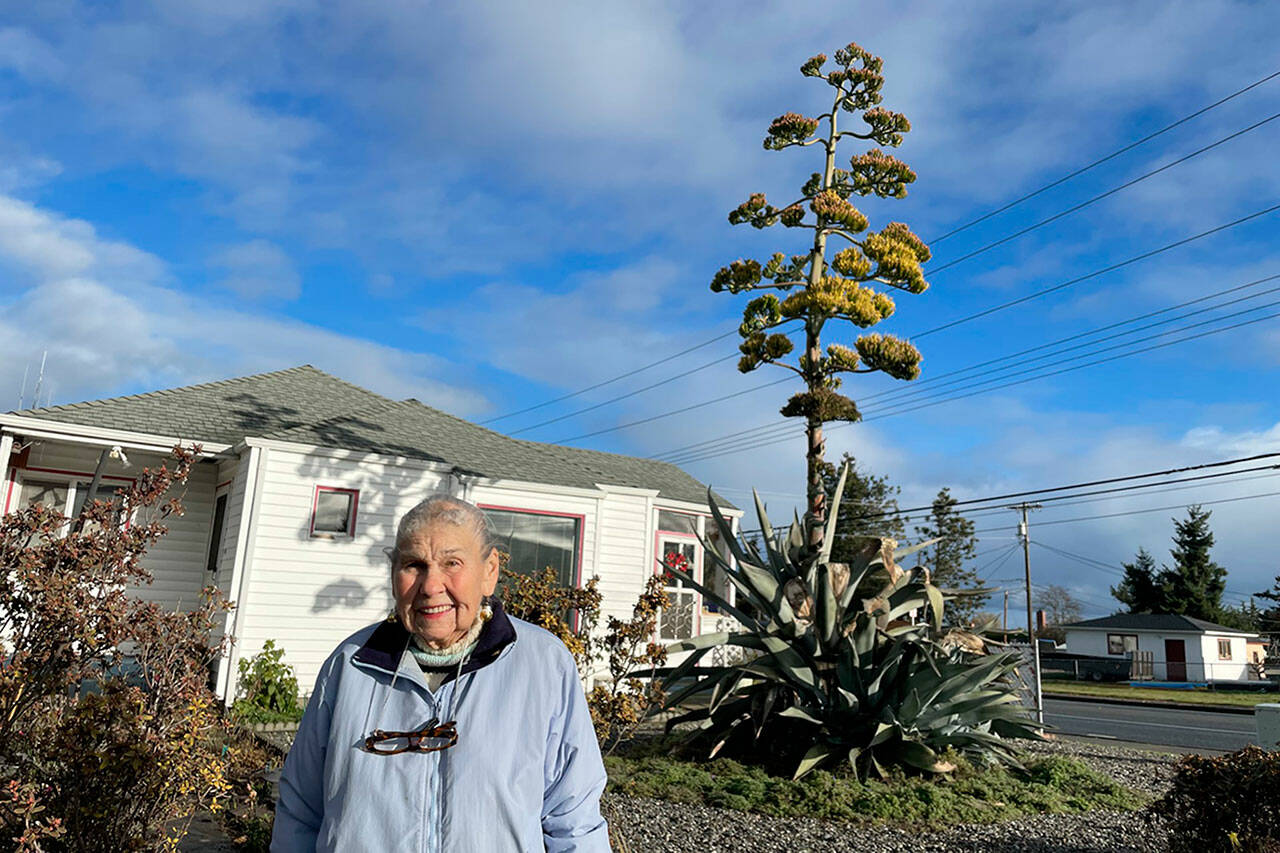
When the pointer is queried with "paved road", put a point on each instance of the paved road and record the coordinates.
(1209, 730)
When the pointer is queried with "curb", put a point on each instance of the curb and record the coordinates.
(1151, 703)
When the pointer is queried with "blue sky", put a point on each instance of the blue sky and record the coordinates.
(489, 205)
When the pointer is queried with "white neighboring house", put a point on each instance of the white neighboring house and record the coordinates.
(303, 478)
(1183, 648)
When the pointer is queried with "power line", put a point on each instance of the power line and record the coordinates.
(899, 391)
(935, 240)
(890, 411)
(1112, 268)
(674, 412)
(678, 455)
(1010, 371)
(1097, 198)
(1136, 512)
(620, 376)
(1101, 160)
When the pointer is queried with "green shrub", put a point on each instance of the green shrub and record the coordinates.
(267, 690)
(1223, 803)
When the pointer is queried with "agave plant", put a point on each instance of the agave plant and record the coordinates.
(840, 667)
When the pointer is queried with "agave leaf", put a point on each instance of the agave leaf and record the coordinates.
(766, 529)
(790, 660)
(827, 616)
(908, 550)
(919, 756)
(725, 686)
(935, 604)
(707, 592)
(829, 534)
(726, 529)
(796, 712)
(817, 754)
(884, 731)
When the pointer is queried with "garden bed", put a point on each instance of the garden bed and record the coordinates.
(1090, 806)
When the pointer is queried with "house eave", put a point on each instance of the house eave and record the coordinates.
(1117, 630)
(49, 430)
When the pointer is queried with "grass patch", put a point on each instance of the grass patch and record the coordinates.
(1198, 696)
(1052, 784)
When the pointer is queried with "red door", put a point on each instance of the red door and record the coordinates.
(1175, 660)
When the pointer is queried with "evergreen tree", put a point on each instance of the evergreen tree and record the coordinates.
(1193, 586)
(1269, 617)
(868, 507)
(1138, 590)
(946, 558)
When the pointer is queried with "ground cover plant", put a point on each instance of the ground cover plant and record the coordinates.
(1223, 803)
(106, 719)
(1052, 784)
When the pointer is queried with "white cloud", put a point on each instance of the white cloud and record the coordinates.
(258, 269)
(1245, 442)
(112, 323)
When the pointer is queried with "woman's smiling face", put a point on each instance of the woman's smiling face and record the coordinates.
(440, 580)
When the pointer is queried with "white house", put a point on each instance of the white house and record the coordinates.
(304, 477)
(1182, 648)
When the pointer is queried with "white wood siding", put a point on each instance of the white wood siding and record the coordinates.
(626, 552)
(309, 593)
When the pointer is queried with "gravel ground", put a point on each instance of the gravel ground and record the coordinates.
(651, 826)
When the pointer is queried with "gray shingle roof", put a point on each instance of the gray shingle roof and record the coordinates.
(305, 405)
(1153, 622)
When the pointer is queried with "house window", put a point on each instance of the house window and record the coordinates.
(677, 621)
(534, 541)
(65, 496)
(1224, 650)
(677, 522)
(1119, 644)
(333, 512)
(215, 535)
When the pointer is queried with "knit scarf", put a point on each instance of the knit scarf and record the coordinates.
(429, 658)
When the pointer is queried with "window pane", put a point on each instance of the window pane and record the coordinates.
(333, 512)
(215, 535)
(1130, 642)
(1115, 644)
(535, 542)
(106, 493)
(677, 522)
(52, 495)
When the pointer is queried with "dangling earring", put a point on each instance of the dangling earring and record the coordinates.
(392, 617)
(486, 611)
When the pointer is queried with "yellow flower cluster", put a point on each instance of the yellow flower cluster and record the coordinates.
(896, 261)
(888, 354)
(841, 359)
(839, 297)
(836, 210)
(851, 263)
(879, 173)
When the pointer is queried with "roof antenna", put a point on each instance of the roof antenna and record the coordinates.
(39, 380)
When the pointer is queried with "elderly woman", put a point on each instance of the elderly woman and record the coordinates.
(448, 727)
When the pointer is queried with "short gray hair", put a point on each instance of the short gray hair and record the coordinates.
(443, 507)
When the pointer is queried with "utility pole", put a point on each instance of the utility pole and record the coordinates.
(1025, 535)
(1004, 622)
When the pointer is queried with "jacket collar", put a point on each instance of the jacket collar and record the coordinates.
(386, 645)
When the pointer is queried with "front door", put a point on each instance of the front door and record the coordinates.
(1175, 660)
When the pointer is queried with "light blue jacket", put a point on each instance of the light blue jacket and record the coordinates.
(525, 774)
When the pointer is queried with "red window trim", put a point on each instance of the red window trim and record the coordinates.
(355, 512)
(582, 530)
